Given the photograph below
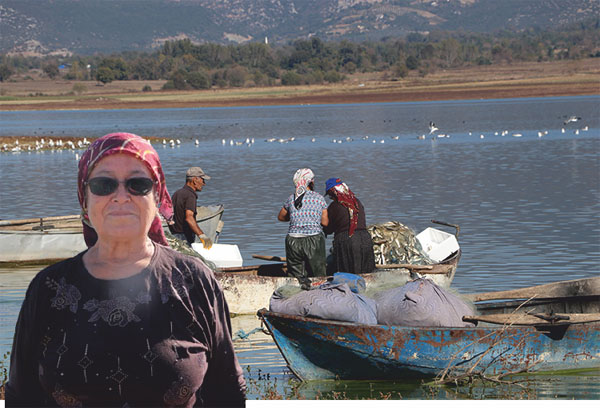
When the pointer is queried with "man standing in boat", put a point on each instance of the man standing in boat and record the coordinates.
(184, 204)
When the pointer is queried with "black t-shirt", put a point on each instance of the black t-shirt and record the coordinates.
(184, 199)
(161, 337)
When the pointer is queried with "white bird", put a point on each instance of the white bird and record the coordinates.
(223, 141)
(422, 137)
(562, 130)
(395, 137)
(382, 141)
(495, 133)
(540, 134)
(178, 141)
(196, 142)
(572, 118)
(481, 136)
(313, 140)
(164, 142)
(432, 127)
(252, 140)
(77, 156)
(585, 128)
(517, 135)
(576, 131)
(230, 142)
(374, 141)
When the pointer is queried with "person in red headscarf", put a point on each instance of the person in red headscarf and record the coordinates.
(129, 321)
(352, 243)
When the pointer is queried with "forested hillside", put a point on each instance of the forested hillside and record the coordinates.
(198, 66)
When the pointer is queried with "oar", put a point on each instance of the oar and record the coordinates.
(522, 319)
(577, 287)
(269, 257)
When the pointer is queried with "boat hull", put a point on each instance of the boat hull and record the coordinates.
(328, 350)
(40, 246)
(317, 349)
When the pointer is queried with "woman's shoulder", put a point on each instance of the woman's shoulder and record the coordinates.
(168, 259)
(57, 272)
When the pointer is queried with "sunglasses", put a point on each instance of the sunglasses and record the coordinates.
(103, 186)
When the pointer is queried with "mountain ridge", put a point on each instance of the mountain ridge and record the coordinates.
(42, 27)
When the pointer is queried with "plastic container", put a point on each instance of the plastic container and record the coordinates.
(222, 255)
(439, 245)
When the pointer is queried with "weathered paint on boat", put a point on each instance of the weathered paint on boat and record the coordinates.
(249, 288)
(318, 349)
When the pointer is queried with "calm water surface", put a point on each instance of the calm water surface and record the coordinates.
(528, 207)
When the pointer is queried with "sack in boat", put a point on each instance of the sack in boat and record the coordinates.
(421, 303)
(333, 301)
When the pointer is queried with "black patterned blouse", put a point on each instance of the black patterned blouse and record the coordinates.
(158, 338)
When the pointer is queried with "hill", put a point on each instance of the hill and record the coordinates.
(42, 27)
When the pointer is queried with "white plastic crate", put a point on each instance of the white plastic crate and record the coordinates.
(439, 245)
(222, 255)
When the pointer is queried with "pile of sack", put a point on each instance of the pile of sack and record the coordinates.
(419, 303)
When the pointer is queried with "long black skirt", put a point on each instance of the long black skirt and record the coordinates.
(353, 254)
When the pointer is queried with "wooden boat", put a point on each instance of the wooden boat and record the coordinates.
(49, 239)
(564, 334)
(249, 288)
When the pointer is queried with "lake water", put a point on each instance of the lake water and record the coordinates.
(528, 207)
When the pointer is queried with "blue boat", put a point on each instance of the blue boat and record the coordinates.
(554, 333)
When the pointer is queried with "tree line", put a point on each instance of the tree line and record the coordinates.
(186, 65)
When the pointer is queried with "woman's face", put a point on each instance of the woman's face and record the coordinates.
(121, 215)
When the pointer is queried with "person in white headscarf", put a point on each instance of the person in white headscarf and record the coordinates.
(306, 211)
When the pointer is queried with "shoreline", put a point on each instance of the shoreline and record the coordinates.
(519, 80)
(315, 96)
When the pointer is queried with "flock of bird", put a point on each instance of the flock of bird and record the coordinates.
(433, 134)
(46, 144)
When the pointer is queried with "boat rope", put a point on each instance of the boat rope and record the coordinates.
(241, 334)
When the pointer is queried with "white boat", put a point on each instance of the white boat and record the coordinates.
(49, 239)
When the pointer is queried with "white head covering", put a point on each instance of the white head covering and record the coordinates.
(302, 179)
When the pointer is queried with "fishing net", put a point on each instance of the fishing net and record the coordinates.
(395, 243)
(183, 248)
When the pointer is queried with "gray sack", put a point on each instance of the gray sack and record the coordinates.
(421, 303)
(328, 301)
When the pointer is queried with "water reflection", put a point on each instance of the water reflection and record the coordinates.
(528, 207)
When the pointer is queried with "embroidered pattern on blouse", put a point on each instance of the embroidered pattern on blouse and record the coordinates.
(66, 295)
(178, 393)
(179, 283)
(85, 362)
(119, 376)
(64, 399)
(115, 312)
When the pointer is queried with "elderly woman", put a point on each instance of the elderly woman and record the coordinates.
(306, 212)
(129, 321)
(352, 243)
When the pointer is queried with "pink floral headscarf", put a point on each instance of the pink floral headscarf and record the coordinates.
(141, 149)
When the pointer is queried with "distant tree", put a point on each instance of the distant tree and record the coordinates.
(291, 78)
(412, 62)
(51, 69)
(104, 75)
(5, 72)
(179, 80)
(198, 80)
(400, 70)
(236, 76)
